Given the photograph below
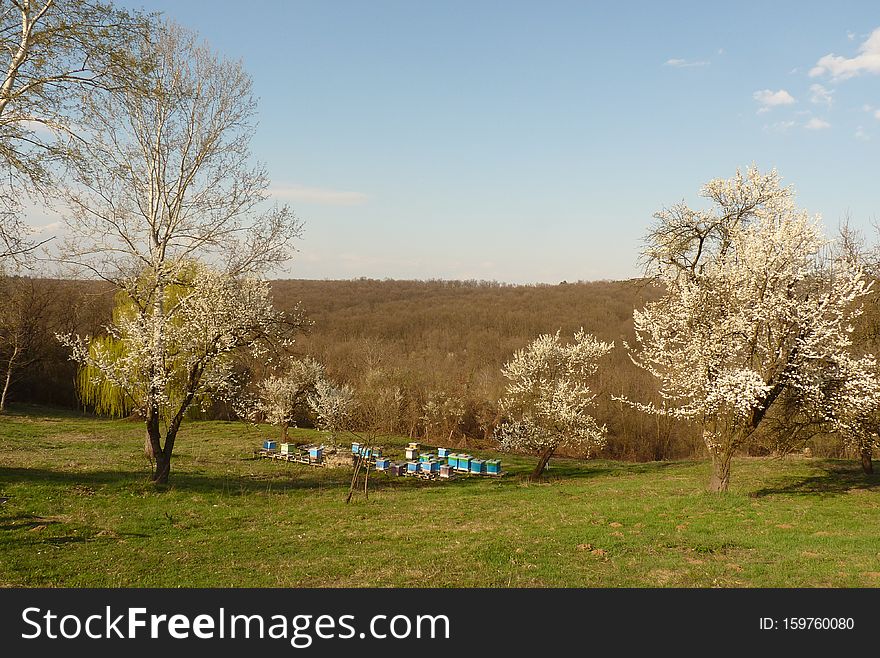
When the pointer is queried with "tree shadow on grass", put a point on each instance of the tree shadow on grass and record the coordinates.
(835, 478)
(301, 477)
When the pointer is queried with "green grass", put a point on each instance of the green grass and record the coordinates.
(82, 512)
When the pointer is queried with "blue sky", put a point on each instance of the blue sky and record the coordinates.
(532, 142)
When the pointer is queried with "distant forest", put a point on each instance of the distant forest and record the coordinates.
(424, 357)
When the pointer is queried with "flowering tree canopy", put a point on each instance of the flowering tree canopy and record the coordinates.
(164, 362)
(755, 299)
(333, 406)
(548, 397)
(281, 397)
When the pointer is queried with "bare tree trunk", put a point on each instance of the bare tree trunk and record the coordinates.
(867, 462)
(721, 458)
(542, 463)
(9, 368)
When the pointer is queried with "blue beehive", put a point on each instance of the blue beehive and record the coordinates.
(315, 453)
(355, 448)
(425, 467)
(412, 467)
(426, 456)
(463, 463)
(270, 445)
(442, 453)
(477, 466)
(493, 466)
(452, 459)
(382, 464)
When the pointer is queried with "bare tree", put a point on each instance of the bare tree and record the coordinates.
(167, 180)
(53, 48)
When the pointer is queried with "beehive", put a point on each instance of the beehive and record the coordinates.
(477, 466)
(397, 468)
(442, 453)
(288, 448)
(316, 453)
(270, 445)
(412, 467)
(446, 471)
(382, 464)
(452, 459)
(355, 448)
(493, 466)
(463, 463)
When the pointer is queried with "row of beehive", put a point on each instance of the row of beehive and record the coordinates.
(427, 464)
(292, 451)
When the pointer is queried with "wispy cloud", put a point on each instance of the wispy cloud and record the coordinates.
(877, 114)
(820, 95)
(768, 99)
(842, 68)
(861, 134)
(816, 124)
(779, 127)
(686, 63)
(319, 195)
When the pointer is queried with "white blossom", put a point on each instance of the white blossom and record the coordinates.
(548, 397)
(754, 297)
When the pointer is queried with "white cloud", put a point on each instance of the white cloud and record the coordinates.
(877, 114)
(842, 68)
(820, 95)
(861, 134)
(816, 124)
(685, 63)
(768, 99)
(850, 35)
(319, 195)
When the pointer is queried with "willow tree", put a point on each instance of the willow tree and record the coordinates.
(754, 300)
(168, 180)
(548, 398)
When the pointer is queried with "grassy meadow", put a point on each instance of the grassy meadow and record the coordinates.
(80, 511)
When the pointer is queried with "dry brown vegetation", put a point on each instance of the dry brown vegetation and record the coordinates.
(425, 356)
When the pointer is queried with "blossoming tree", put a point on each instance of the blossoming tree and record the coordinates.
(333, 406)
(281, 397)
(167, 361)
(754, 300)
(548, 397)
(168, 181)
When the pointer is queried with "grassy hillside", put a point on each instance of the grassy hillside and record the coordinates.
(80, 511)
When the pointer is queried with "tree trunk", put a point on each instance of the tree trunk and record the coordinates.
(546, 453)
(154, 438)
(721, 457)
(163, 468)
(867, 463)
(9, 367)
(284, 432)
